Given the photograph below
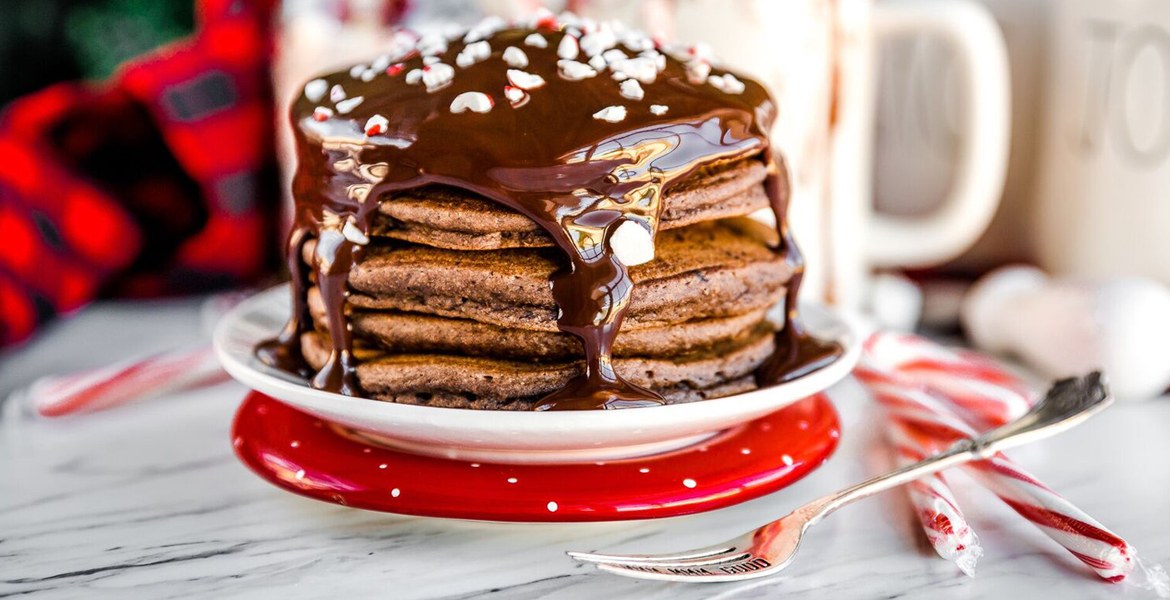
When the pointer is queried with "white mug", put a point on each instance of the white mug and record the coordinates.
(818, 58)
(1102, 203)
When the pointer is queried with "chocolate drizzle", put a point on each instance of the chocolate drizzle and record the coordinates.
(550, 157)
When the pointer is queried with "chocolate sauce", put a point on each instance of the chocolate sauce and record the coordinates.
(547, 153)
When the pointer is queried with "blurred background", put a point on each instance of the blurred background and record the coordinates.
(930, 165)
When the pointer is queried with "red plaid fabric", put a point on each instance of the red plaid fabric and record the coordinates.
(160, 181)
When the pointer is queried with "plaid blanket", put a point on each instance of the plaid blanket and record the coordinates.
(159, 181)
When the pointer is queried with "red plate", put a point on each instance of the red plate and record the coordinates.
(307, 456)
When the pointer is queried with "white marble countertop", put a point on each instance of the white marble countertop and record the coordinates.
(147, 501)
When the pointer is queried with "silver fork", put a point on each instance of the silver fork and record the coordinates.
(769, 549)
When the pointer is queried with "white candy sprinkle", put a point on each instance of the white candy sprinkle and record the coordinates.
(437, 76)
(632, 89)
(414, 76)
(598, 63)
(515, 57)
(552, 506)
(516, 96)
(613, 114)
(337, 94)
(728, 83)
(597, 42)
(575, 71)
(478, 102)
(369, 74)
(345, 106)
(322, 113)
(568, 48)
(536, 41)
(697, 71)
(376, 124)
(524, 80)
(659, 109)
(356, 71)
(315, 89)
(631, 244)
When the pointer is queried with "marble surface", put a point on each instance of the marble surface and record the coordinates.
(147, 501)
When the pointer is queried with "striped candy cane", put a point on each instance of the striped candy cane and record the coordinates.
(933, 426)
(935, 506)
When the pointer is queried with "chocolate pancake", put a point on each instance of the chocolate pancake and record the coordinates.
(452, 218)
(708, 270)
(415, 333)
(456, 381)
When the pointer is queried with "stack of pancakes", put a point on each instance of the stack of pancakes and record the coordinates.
(450, 304)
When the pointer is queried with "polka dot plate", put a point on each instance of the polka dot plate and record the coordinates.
(310, 457)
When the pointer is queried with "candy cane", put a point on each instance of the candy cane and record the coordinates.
(934, 426)
(106, 387)
(944, 524)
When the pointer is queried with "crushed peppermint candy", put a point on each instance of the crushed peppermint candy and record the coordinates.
(357, 70)
(536, 41)
(381, 63)
(354, 235)
(437, 76)
(597, 42)
(368, 75)
(613, 114)
(515, 57)
(477, 102)
(701, 51)
(375, 125)
(524, 80)
(315, 89)
(345, 106)
(614, 55)
(473, 53)
(516, 96)
(727, 83)
(414, 76)
(575, 71)
(641, 68)
(337, 94)
(568, 48)
(430, 60)
(322, 113)
(697, 71)
(484, 29)
(395, 69)
(431, 44)
(632, 89)
(659, 109)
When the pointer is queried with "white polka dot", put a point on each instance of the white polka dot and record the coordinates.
(834, 434)
(366, 450)
(395, 492)
(600, 464)
(765, 427)
(512, 480)
(689, 483)
(787, 460)
(382, 466)
(643, 470)
(802, 424)
(552, 506)
(475, 465)
(295, 444)
(300, 475)
(745, 451)
(702, 449)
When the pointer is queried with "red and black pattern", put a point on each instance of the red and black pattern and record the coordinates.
(160, 181)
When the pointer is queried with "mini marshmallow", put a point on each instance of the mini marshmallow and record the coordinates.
(631, 244)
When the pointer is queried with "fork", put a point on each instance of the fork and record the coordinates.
(770, 548)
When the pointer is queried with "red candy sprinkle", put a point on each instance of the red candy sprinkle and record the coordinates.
(395, 69)
(549, 22)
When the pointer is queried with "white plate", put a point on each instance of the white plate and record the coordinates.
(518, 437)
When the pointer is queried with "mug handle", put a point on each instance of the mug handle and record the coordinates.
(965, 213)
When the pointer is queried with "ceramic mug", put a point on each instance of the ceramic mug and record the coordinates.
(1101, 200)
(818, 58)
